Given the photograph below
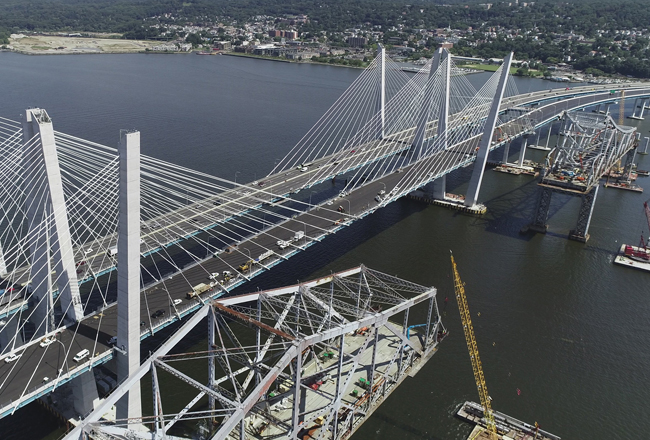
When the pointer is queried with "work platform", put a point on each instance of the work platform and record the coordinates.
(358, 402)
(455, 202)
(508, 427)
(636, 263)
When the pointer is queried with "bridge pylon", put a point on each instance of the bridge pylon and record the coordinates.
(50, 241)
(381, 53)
(128, 273)
(484, 144)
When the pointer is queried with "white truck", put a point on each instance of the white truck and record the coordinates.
(264, 256)
(298, 235)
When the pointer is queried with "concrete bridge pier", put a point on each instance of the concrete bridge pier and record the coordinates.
(645, 145)
(607, 106)
(636, 106)
(522, 152)
(506, 152)
(9, 334)
(597, 109)
(439, 188)
(84, 391)
(581, 232)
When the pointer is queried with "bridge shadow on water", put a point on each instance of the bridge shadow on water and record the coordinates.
(508, 213)
(407, 430)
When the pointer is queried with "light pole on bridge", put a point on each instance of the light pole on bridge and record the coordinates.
(65, 358)
(249, 253)
(236, 172)
(349, 206)
(310, 194)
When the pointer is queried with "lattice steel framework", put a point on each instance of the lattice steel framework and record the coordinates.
(591, 145)
(318, 358)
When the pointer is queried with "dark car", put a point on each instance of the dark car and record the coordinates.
(158, 313)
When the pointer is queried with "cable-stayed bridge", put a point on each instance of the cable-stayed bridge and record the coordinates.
(186, 237)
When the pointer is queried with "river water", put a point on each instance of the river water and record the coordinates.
(563, 333)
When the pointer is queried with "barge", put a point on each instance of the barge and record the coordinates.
(633, 256)
(508, 427)
(624, 185)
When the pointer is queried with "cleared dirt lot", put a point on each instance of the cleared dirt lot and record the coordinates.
(47, 44)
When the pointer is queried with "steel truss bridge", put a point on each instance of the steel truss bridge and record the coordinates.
(314, 344)
(186, 238)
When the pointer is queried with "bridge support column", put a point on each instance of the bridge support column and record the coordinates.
(643, 107)
(638, 103)
(581, 232)
(597, 109)
(541, 214)
(48, 226)
(522, 152)
(506, 152)
(486, 139)
(548, 137)
(84, 391)
(128, 272)
(440, 187)
(645, 145)
(607, 106)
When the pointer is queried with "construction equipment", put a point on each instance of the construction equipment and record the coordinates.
(459, 288)
(646, 208)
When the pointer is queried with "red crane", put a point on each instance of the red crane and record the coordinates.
(647, 216)
(641, 253)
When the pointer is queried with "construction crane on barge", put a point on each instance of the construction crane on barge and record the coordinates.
(468, 329)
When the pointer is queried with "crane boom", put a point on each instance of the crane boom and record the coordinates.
(647, 216)
(647, 213)
(459, 288)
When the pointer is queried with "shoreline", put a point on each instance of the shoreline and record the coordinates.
(258, 57)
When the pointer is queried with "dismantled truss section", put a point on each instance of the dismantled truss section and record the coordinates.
(316, 358)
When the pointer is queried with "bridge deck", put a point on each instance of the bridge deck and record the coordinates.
(24, 374)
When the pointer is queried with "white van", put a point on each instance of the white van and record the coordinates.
(81, 355)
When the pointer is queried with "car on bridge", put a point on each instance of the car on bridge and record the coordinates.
(81, 355)
(47, 341)
(13, 357)
(158, 313)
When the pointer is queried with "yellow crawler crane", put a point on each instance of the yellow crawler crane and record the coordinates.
(466, 318)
